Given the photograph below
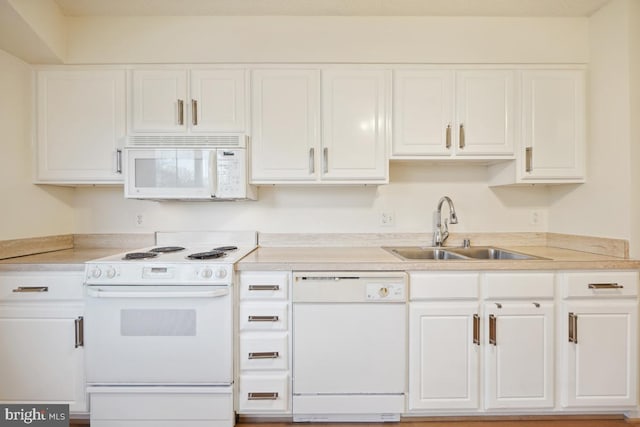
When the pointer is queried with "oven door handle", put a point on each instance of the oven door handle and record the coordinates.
(99, 293)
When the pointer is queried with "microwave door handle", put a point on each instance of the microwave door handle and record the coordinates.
(213, 173)
(100, 293)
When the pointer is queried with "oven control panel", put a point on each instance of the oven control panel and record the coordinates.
(128, 274)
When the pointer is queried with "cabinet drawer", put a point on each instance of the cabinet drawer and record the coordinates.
(600, 284)
(264, 351)
(264, 317)
(519, 285)
(264, 285)
(41, 286)
(268, 393)
(443, 286)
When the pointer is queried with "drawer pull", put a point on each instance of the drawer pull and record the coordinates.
(573, 328)
(605, 286)
(492, 330)
(263, 318)
(264, 287)
(264, 355)
(79, 332)
(263, 396)
(476, 329)
(31, 289)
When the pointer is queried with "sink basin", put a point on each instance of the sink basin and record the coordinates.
(488, 252)
(418, 252)
(410, 253)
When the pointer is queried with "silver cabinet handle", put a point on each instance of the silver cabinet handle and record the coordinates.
(312, 160)
(492, 330)
(461, 142)
(264, 355)
(528, 154)
(118, 161)
(180, 112)
(448, 136)
(263, 396)
(79, 324)
(25, 289)
(325, 160)
(264, 287)
(573, 328)
(263, 318)
(605, 286)
(476, 329)
(194, 112)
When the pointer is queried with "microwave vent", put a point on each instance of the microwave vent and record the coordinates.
(223, 140)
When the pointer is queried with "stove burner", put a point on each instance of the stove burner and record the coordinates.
(166, 249)
(140, 255)
(207, 255)
(226, 248)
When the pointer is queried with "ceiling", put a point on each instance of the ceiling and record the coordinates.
(525, 8)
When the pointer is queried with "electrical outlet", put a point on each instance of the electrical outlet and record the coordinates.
(535, 217)
(139, 221)
(387, 219)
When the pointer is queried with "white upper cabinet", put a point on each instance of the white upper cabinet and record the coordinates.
(422, 112)
(320, 126)
(553, 130)
(445, 113)
(197, 100)
(553, 125)
(485, 112)
(80, 126)
(286, 124)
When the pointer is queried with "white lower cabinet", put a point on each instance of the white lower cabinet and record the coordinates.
(599, 332)
(518, 315)
(42, 357)
(444, 350)
(264, 367)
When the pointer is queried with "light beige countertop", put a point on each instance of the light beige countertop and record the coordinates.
(62, 260)
(378, 259)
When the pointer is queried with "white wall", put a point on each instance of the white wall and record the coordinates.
(27, 210)
(634, 52)
(602, 206)
(411, 198)
(326, 39)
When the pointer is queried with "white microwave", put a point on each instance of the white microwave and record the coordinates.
(162, 173)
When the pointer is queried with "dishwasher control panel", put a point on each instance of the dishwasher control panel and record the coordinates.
(385, 292)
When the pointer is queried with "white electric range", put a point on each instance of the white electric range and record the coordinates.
(159, 331)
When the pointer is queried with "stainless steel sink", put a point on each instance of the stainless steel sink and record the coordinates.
(410, 253)
(489, 252)
(418, 252)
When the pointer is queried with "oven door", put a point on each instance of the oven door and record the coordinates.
(169, 335)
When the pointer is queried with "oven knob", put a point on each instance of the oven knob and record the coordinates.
(96, 272)
(383, 291)
(206, 273)
(111, 272)
(221, 273)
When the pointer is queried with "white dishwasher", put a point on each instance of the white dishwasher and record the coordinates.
(349, 346)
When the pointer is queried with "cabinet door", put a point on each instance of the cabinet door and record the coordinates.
(553, 125)
(519, 355)
(217, 100)
(159, 100)
(422, 112)
(600, 353)
(40, 363)
(81, 126)
(354, 114)
(443, 356)
(485, 112)
(285, 125)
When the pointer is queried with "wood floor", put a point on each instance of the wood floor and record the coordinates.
(510, 422)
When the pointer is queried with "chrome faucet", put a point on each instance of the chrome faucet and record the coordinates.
(441, 232)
